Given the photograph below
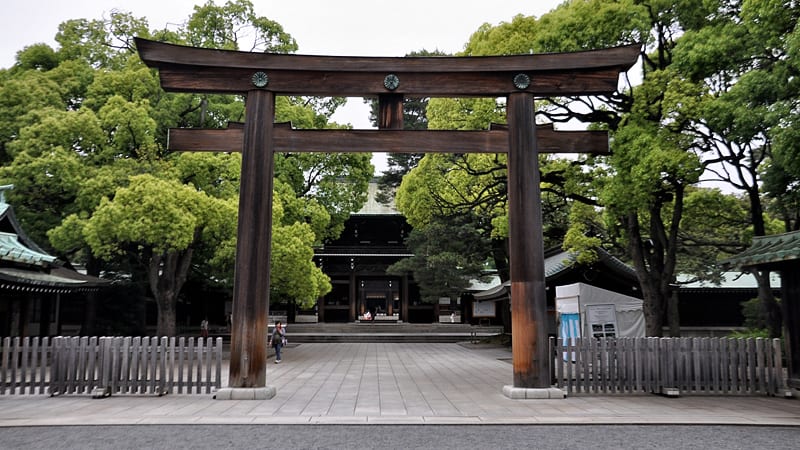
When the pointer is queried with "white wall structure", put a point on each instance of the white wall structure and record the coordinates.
(585, 311)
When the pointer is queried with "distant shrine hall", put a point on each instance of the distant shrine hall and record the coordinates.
(356, 262)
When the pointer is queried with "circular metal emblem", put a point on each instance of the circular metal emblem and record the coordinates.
(391, 82)
(260, 79)
(522, 81)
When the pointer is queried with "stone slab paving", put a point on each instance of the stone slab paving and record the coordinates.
(395, 383)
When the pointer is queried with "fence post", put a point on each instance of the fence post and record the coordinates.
(55, 367)
(780, 380)
(218, 382)
(162, 365)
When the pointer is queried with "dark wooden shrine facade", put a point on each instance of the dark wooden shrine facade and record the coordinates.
(262, 76)
(356, 264)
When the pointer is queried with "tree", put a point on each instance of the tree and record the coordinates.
(740, 62)
(160, 223)
(448, 254)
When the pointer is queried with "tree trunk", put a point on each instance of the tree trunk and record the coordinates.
(88, 327)
(654, 314)
(166, 274)
(673, 315)
(16, 317)
(500, 256)
(769, 306)
(652, 301)
(166, 316)
(89, 314)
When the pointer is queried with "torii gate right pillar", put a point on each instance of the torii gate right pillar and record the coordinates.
(526, 256)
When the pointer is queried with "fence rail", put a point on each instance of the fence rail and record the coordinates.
(103, 366)
(709, 366)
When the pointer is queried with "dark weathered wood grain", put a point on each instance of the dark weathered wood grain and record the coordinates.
(526, 254)
(253, 246)
(390, 112)
(155, 53)
(390, 141)
(189, 69)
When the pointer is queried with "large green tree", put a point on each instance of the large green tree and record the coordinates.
(738, 77)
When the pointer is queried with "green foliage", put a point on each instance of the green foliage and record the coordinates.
(20, 97)
(216, 174)
(44, 189)
(750, 333)
(464, 113)
(337, 181)
(579, 239)
(100, 43)
(79, 132)
(161, 215)
(446, 185)
(755, 320)
(235, 26)
(37, 57)
(134, 84)
(447, 255)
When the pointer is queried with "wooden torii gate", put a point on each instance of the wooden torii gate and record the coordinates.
(262, 76)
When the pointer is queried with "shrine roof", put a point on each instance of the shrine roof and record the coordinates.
(11, 249)
(373, 207)
(58, 279)
(557, 264)
(25, 267)
(768, 251)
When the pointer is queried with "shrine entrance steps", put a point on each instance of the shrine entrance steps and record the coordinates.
(388, 332)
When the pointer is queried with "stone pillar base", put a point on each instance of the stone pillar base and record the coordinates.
(518, 393)
(232, 393)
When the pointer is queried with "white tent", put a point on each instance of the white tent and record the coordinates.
(585, 311)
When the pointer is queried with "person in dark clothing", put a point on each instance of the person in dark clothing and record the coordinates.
(278, 340)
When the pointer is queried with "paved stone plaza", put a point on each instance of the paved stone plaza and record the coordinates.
(395, 383)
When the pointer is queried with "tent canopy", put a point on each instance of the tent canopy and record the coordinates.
(574, 300)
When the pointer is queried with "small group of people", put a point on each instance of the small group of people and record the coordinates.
(277, 340)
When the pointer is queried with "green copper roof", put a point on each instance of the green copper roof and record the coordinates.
(557, 264)
(768, 250)
(11, 249)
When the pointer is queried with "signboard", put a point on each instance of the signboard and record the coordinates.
(483, 309)
(601, 321)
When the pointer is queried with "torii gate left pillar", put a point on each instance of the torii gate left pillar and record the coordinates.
(247, 371)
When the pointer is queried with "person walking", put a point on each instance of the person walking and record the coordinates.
(278, 340)
(204, 328)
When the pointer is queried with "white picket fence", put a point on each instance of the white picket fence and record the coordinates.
(103, 366)
(671, 366)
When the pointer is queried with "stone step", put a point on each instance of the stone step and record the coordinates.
(382, 332)
(378, 327)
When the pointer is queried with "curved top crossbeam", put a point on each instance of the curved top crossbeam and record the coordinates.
(191, 69)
